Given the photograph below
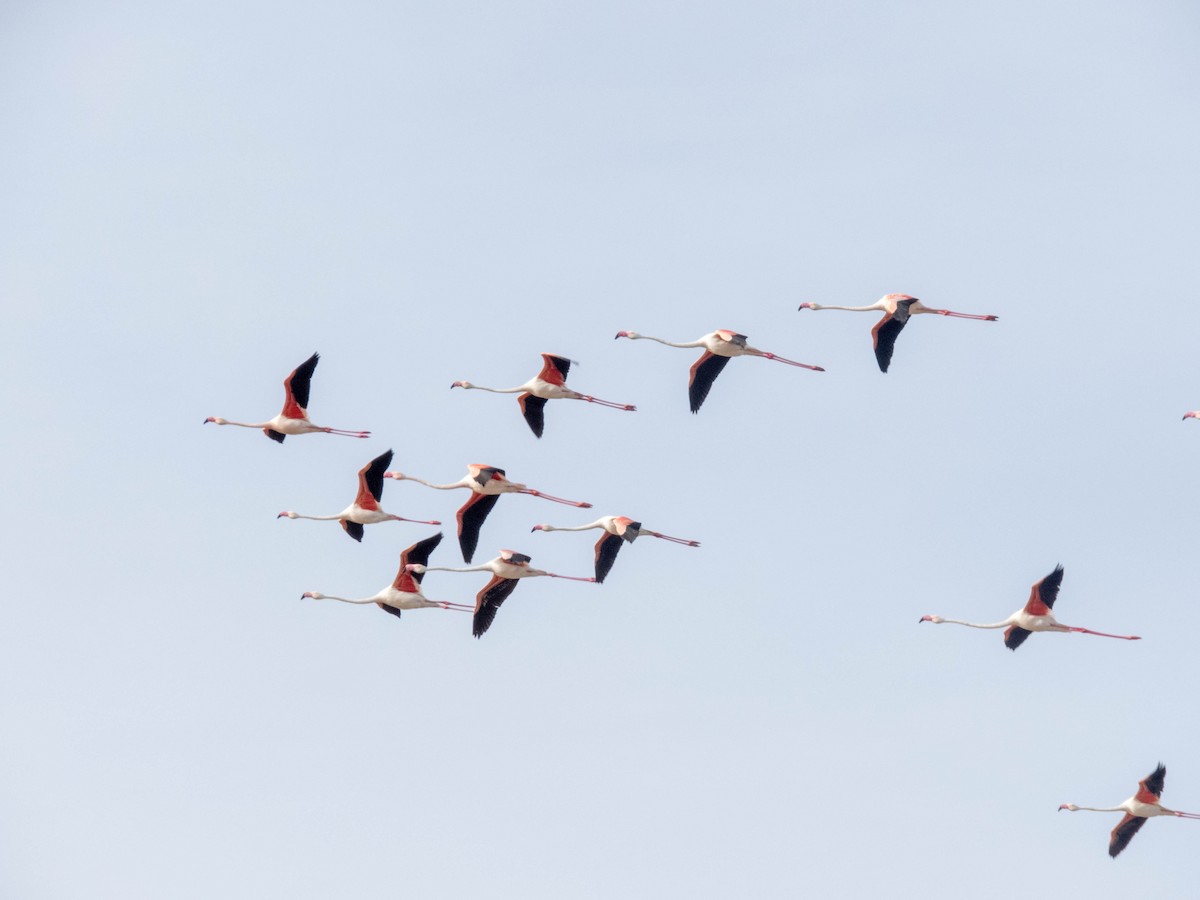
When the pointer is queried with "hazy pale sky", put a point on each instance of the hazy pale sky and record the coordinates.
(199, 195)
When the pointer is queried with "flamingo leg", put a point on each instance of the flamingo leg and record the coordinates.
(1184, 815)
(958, 315)
(626, 406)
(790, 362)
(357, 434)
(1123, 637)
(416, 521)
(667, 537)
(534, 493)
(569, 577)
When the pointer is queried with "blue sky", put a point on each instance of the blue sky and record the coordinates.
(200, 195)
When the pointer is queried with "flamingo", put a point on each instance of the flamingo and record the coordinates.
(1034, 616)
(719, 348)
(1138, 808)
(405, 591)
(548, 384)
(507, 569)
(897, 309)
(617, 529)
(294, 417)
(486, 484)
(365, 508)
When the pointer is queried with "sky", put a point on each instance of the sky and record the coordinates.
(200, 195)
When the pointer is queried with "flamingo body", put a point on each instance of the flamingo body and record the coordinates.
(1141, 806)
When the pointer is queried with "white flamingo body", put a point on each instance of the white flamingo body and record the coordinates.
(719, 347)
(293, 419)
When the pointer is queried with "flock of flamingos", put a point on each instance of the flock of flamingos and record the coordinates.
(487, 483)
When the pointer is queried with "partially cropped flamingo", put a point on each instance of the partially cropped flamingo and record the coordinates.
(897, 308)
(486, 484)
(405, 591)
(507, 569)
(1138, 808)
(719, 348)
(294, 418)
(365, 508)
(1034, 616)
(1194, 414)
(617, 529)
(548, 384)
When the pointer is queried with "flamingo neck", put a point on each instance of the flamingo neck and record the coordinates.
(345, 599)
(874, 307)
(516, 390)
(315, 518)
(438, 487)
(1003, 624)
(1098, 809)
(646, 337)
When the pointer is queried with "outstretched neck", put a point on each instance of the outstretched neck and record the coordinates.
(345, 599)
(451, 569)
(646, 337)
(295, 515)
(819, 306)
(478, 387)
(939, 620)
(596, 524)
(438, 487)
(1071, 808)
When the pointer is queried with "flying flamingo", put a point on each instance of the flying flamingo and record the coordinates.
(507, 569)
(1138, 808)
(1034, 616)
(897, 308)
(365, 508)
(405, 591)
(294, 418)
(486, 484)
(617, 529)
(548, 384)
(719, 348)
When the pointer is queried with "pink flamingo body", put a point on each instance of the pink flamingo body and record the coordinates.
(365, 509)
(486, 484)
(294, 417)
(405, 590)
(618, 530)
(719, 347)
(1141, 806)
(896, 309)
(549, 384)
(507, 569)
(1034, 616)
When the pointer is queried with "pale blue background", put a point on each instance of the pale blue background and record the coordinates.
(198, 195)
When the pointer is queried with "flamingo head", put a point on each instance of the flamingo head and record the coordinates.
(540, 528)
(399, 476)
(808, 306)
(1195, 414)
(288, 513)
(414, 567)
(632, 335)
(216, 420)
(936, 620)
(1068, 806)
(462, 384)
(312, 595)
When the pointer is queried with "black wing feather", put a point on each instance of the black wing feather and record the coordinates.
(1154, 781)
(301, 380)
(561, 363)
(353, 529)
(704, 373)
(470, 520)
(487, 604)
(374, 476)
(418, 554)
(1123, 834)
(390, 609)
(607, 549)
(1048, 587)
(1014, 637)
(534, 410)
(275, 435)
(886, 333)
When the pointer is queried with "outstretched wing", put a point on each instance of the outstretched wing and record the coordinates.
(1014, 637)
(370, 481)
(296, 388)
(534, 410)
(555, 369)
(884, 335)
(1043, 594)
(1150, 788)
(607, 549)
(274, 435)
(1123, 833)
(487, 602)
(704, 372)
(354, 529)
(417, 555)
(389, 609)
(470, 519)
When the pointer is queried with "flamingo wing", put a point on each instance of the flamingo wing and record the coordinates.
(704, 372)
(274, 435)
(389, 609)
(607, 549)
(1014, 637)
(296, 388)
(534, 410)
(470, 519)
(417, 554)
(488, 601)
(370, 481)
(555, 369)
(1150, 788)
(353, 529)
(884, 335)
(1123, 833)
(1043, 594)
